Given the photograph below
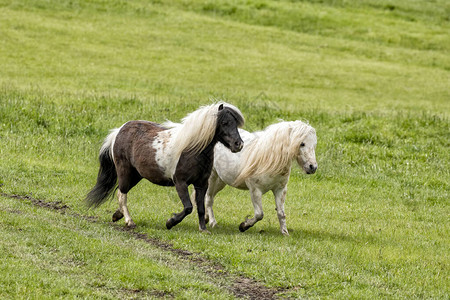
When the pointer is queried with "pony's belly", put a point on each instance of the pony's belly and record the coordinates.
(154, 174)
(268, 182)
(161, 181)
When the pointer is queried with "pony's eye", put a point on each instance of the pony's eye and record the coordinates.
(224, 123)
(302, 145)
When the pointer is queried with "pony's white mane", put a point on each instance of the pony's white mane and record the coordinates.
(273, 150)
(195, 132)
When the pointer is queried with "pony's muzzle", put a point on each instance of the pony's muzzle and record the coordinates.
(238, 145)
(312, 169)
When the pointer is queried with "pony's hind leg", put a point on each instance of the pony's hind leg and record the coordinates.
(117, 215)
(256, 196)
(119, 212)
(280, 197)
(123, 210)
(128, 177)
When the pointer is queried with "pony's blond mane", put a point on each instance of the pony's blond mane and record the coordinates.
(273, 150)
(196, 131)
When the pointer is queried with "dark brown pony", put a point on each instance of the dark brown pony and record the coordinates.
(169, 155)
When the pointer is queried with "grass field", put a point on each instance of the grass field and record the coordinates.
(373, 78)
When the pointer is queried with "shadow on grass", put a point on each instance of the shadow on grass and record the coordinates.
(157, 226)
(230, 229)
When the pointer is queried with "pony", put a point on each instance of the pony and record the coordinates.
(263, 165)
(171, 154)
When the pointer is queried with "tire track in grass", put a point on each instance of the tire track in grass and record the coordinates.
(240, 287)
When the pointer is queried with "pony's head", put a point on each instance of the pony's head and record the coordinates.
(306, 157)
(229, 118)
(274, 149)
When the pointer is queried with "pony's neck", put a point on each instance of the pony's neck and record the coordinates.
(209, 150)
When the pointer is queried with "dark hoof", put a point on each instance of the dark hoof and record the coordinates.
(131, 226)
(170, 223)
(117, 216)
(242, 227)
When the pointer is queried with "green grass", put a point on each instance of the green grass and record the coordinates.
(372, 77)
(65, 256)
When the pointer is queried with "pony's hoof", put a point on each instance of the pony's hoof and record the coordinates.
(131, 225)
(170, 223)
(117, 216)
(242, 227)
(213, 224)
(205, 231)
(285, 233)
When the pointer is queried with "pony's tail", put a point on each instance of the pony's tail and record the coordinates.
(107, 175)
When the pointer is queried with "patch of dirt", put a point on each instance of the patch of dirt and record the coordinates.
(240, 287)
(56, 205)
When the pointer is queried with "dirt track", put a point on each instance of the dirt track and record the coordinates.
(239, 286)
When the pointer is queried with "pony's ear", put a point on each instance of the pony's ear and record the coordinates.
(220, 107)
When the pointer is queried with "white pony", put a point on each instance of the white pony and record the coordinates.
(263, 165)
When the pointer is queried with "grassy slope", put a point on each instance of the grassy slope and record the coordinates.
(65, 256)
(372, 78)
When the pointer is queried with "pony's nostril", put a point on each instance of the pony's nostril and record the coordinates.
(312, 169)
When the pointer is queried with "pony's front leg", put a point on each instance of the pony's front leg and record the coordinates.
(200, 201)
(183, 193)
(256, 196)
(280, 197)
(215, 185)
(123, 210)
(209, 213)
